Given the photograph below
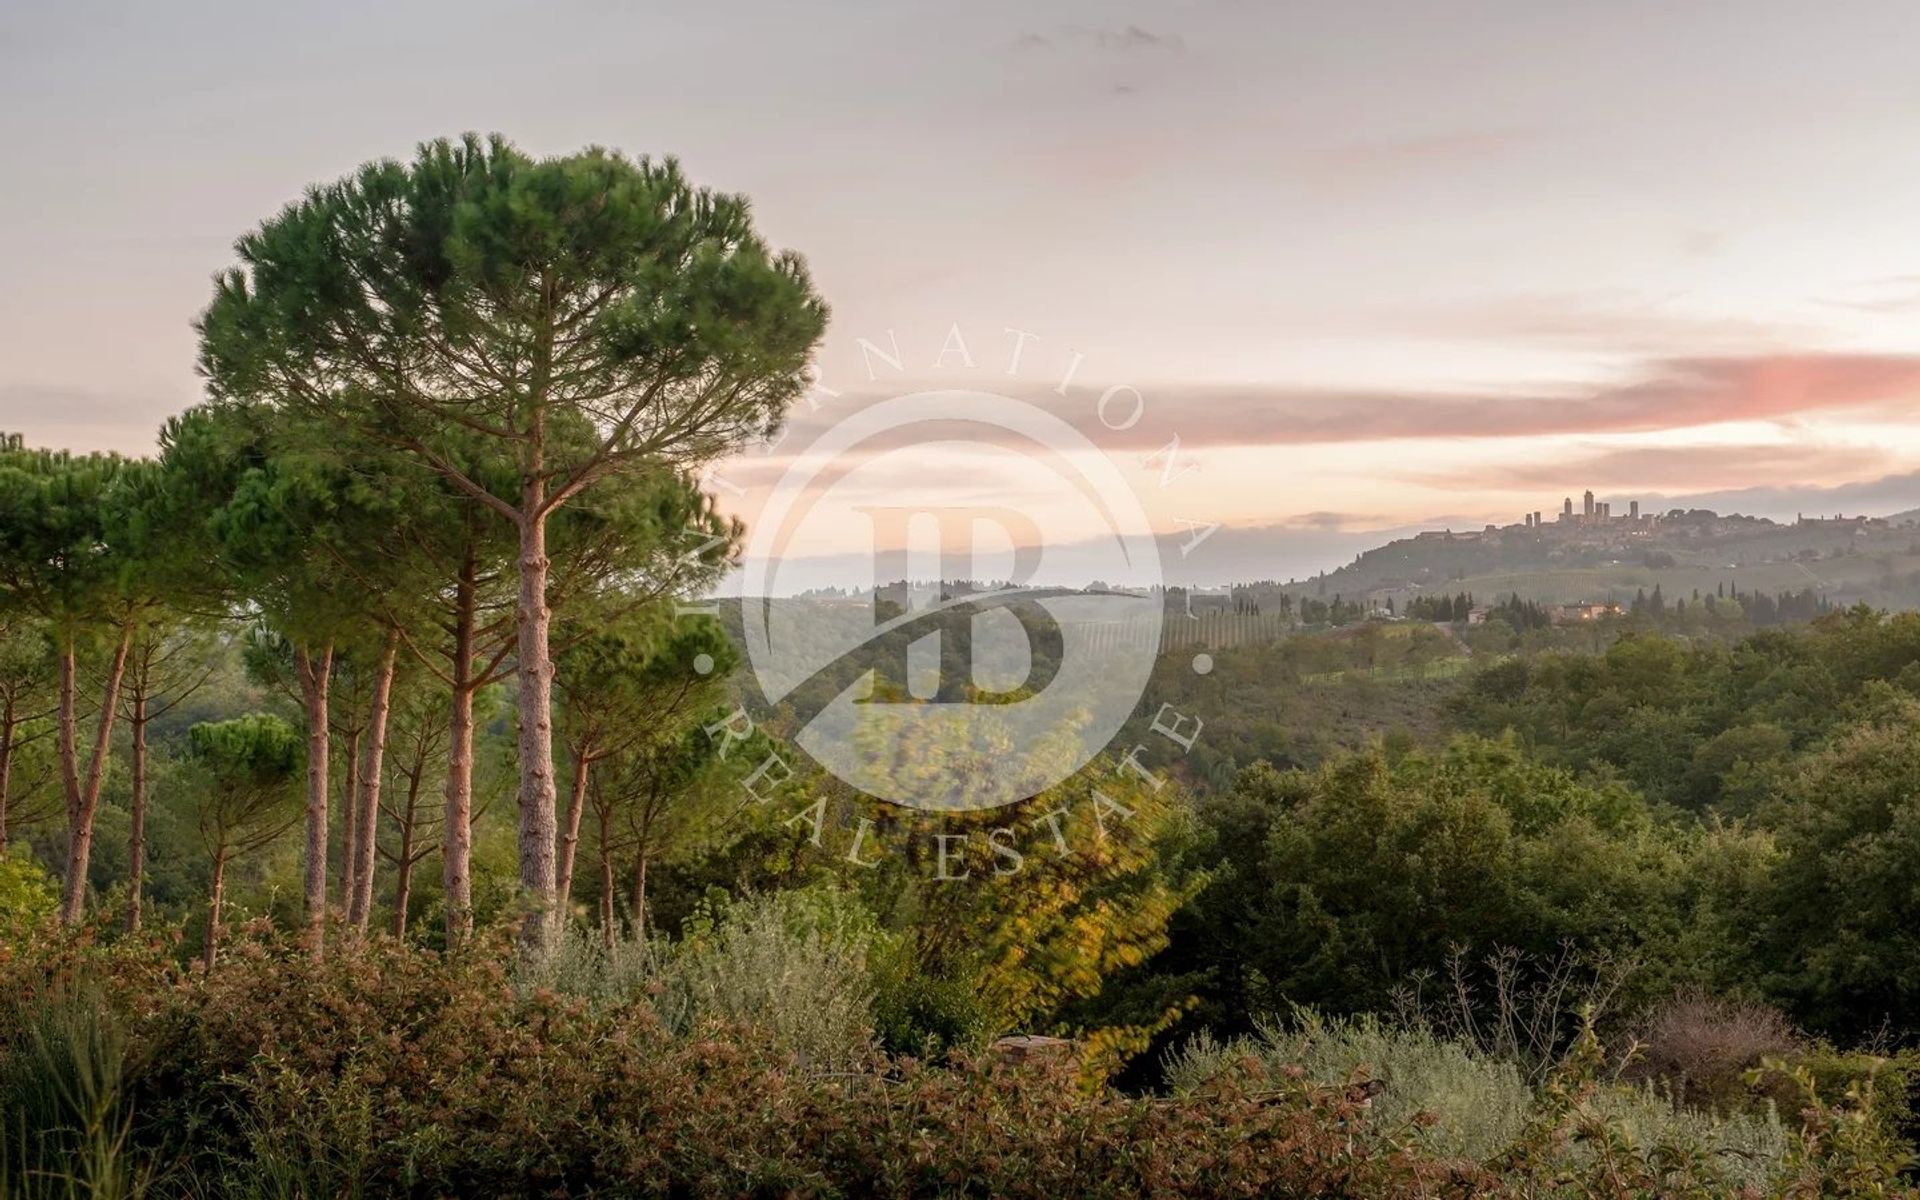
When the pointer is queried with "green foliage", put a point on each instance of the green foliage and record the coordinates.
(28, 895)
(1304, 699)
(61, 556)
(1844, 1149)
(1679, 719)
(258, 751)
(303, 523)
(28, 698)
(430, 264)
(1061, 894)
(1837, 940)
(1340, 883)
(927, 1016)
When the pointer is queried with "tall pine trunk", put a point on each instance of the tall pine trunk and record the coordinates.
(350, 813)
(570, 842)
(403, 864)
(83, 798)
(537, 792)
(137, 821)
(315, 678)
(360, 904)
(640, 894)
(609, 919)
(456, 831)
(213, 909)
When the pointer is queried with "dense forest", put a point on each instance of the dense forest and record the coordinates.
(375, 819)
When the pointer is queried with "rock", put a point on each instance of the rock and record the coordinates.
(1029, 1048)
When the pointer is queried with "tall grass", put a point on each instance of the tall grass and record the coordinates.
(63, 1099)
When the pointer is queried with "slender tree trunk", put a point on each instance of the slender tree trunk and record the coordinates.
(403, 875)
(8, 724)
(360, 909)
(83, 800)
(456, 831)
(402, 897)
(69, 730)
(137, 822)
(640, 894)
(608, 918)
(350, 813)
(570, 841)
(315, 677)
(213, 908)
(537, 792)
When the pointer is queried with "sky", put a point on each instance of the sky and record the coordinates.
(1375, 265)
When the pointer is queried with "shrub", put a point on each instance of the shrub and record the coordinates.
(1516, 1007)
(1700, 1048)
(792, 966)
(1749, 1148)
(1478, 1104)
(27, 895)
(793, 969)
(584, 963)
(1472, 1105)
(1709, 1054)
(1843, 1149)
(917, 1015)
(386, 1070)
(1591, 1136)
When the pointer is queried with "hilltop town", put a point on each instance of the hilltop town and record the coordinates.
(1594, 554)
(1596, 525)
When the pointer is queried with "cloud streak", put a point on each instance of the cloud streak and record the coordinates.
(1708, 466)
(1667, 394)
(1127, 39)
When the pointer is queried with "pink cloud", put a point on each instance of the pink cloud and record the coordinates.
(1672, 393)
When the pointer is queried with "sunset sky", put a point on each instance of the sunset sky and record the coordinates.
(1377, 265)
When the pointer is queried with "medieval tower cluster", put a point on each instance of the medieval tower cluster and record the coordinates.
(1592, 512)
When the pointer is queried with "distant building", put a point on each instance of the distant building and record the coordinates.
(1837, 521)
(1566, 509)
(1573, 614)
(1587, 505)
(1633, 511)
